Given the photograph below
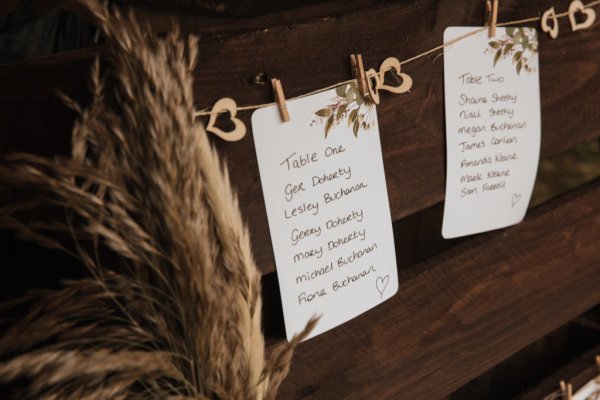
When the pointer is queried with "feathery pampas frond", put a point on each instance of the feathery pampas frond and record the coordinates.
(174, 309)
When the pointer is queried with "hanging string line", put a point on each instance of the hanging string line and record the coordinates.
(207, 111)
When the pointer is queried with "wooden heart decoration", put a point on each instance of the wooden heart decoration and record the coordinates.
(552, 31)
(226, 105)
(372, 84)
(387, 65)
(381, 283)
(577, 6)
(377, 79)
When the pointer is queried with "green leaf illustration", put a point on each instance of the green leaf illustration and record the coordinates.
(359, 99)
(328, 125)
(355, 128)
(518, 38)
(497, 57)
(350, 95)
(352, 116)
(520, 44)
(323, 112)
(346, 105)
(340, 112)
(517, 56)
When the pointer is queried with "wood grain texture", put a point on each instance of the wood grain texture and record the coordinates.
(577, 372)
(460, 313)
(314, 54)
(538, 367)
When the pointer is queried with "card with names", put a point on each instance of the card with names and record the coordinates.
(493, 128)
(590, 391)
(327, 206)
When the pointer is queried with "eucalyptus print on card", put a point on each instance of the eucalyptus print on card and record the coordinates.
(350, 106)
(518, 44)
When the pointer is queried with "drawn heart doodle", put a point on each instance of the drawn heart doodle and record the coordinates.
(550, 14)
(382, 283)
(577, 6)
(226, 105)
(516, 197)
(377, 79)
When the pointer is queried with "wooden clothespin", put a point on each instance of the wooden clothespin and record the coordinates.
(280, 99)
(566, 390)
(598, 363)
(358, 71)
(491, 16)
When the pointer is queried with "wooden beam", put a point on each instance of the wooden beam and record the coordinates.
(459, 314)
(412, 125)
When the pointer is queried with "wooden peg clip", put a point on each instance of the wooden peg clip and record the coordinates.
(492, 16)
(566, 390)
(598, 363)
(358, 71)
(280, 99)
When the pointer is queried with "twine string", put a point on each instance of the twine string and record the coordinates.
(208, 111)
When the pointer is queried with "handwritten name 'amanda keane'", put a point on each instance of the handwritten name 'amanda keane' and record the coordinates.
(498, 158)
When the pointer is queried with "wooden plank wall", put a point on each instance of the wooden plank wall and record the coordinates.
(460, 313)
(456, 314)
(577, 372)
(315, 54)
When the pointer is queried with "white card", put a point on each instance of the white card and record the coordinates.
(493, 128)
(590, 391)
(327, 205)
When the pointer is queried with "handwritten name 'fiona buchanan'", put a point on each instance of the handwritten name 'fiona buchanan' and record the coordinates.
(305, 297)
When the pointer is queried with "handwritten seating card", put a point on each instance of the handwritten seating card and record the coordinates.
(589, 391)
(493, 128)
(327, 206)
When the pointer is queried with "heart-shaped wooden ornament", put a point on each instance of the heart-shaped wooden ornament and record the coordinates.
(550, 14)
(226, 105)
(373, 84)
(377, 79)
(389, 64)
(577, 6)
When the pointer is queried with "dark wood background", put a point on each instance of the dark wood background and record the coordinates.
(456, 314)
